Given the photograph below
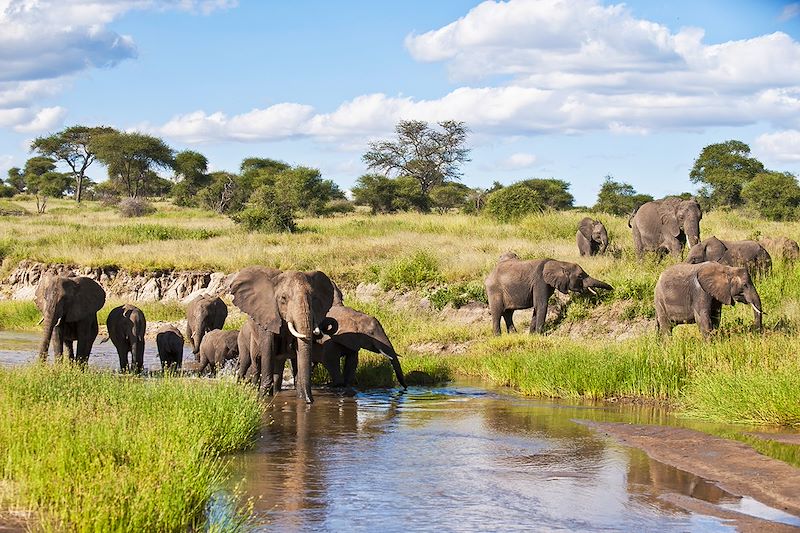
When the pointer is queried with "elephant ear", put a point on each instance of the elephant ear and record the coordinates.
(325, 293)
(338, 297)
(253, 292)
(715, 281)
(669, 218)
(715, 249)
(585, 227)
(89, 298)
(556, 276)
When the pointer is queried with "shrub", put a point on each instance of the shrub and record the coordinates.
(263, 213)
(336, 206)
(775, 195)
(135, 207)
(418, 270)
(513, 202)
(458, 294)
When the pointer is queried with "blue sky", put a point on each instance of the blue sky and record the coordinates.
(573, 90)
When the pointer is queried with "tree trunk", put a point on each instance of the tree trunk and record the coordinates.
(79, 188)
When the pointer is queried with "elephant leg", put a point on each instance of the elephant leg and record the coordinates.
(703, 319)
(137, 348)
(508, 317)
(540, 298)
(244, 358)
(350, 367)
(84, 348)
(496, 310)
(331, 360)
(637, 242)
(280, 366)
(122, 352)
(204, 363)
(715, 314)
(265, 350)
(58, 345)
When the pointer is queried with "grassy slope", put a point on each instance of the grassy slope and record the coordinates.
(447, 256)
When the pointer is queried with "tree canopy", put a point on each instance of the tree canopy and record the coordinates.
(619, 198)
(132, 159)
(724, 169)
(430, 156)
(775, 195)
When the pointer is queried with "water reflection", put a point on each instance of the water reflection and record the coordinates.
(453, 459)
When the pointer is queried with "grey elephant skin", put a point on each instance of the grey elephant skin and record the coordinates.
(517, 284)
(695, 294)
(69, 306)
(218, 346)
(296, 301)
(205, 313)
(592, 237)
(664, 226)
(169, 342)
(782, 247)
(748, 254)
(126, 328)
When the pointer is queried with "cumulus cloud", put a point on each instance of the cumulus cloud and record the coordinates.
(780, 146)
(518, 161)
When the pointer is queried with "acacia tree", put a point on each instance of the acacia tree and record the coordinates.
(73, 147)
(619, 198)
(16, 179)
(132, 159)
(428, 155)
(43, 182)
(723, 169)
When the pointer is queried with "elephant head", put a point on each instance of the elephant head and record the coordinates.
(681, 217)
(568, 277)
(594, 231)
(711, 249)
(66, 299)
(298, 299)
(205, 313)
(729, 285)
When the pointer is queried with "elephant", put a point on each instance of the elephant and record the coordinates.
(218, 346)
(663, 226)
(126, 327)
(69, 306)
(274, 299)
(205, 313)
(783, 247)
(517, 284)
(592, 237)
(170, 347)
(748, 254)
(343, 335)
(694, 294)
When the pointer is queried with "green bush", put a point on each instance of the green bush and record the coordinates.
(513, 202)
(265, 214)
(458, 294)
(416, 271)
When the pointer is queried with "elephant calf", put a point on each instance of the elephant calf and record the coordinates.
(748, 254)
(126, 327)
(217, 347)
(205, 313)
(170, 347)
(517, 284)
(592, 237)
(695, 294)
(783, 247)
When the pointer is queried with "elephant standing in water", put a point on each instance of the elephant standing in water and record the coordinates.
(170, 347)
(218, 346)
(695, 294)
(747, 254)
(517, 284)
(126, 327)
(663, 226)
(592, 237)
(274, 300)
(69, 306)
(205, 313)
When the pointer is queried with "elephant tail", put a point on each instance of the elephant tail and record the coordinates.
(104, 339)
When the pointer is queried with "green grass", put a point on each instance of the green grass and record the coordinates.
(93, 451)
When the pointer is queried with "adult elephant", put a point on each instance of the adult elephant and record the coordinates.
(592, 237)
(663, 226)
(218, 346)
(69, 306)
(169, 342)
(517, 284)
(205, 313)
(748, 254)
(295, 300)
(695, 294)
(126, 327)
(782, 247)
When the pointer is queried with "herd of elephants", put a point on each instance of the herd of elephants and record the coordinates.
(300, 316)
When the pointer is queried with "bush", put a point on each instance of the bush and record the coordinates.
(775, 195)
(458, 294)
(337, 206)
(513, 202)
(263, 213)
(135, 207)
(418, 270)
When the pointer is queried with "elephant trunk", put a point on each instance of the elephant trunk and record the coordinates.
(754, 300)
(590, 284)
(691, 227)
(304, 334)
(50, 323)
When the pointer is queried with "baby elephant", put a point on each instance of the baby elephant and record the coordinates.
(517, 284)
(783, 247)
(217, 347)
(695, 294)
(748, 254)
(592, 237)
(126, 327)
(170, 347)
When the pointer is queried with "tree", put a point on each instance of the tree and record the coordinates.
(16, 179)
(47, 184)
(619, 198)
(191, 175)
(723, 169)
(375, 190)
(429, 156)
(775, 195)
(132, 159)
(303, 189)
(554, 194)
(222, 195)
(73, 147)
(449, 195)
(266, 213)
(514, 202)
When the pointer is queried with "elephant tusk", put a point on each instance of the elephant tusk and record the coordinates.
(385, 354)
(40, 321)
(58, 322)
(592, 291)
(756, 309)
(317, 332)
(295, 332)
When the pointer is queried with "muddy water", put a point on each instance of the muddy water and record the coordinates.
(460, 458)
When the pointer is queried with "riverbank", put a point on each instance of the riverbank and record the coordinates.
(89, 450)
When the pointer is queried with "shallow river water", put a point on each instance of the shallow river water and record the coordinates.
(457, 458)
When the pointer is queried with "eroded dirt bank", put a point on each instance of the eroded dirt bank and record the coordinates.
(734, 466)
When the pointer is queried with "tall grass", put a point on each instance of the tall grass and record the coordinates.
(94, 451)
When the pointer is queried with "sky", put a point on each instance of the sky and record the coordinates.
(574, 90)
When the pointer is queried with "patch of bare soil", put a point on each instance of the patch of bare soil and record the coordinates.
(440, 348)
(733, 466)
(609, 321)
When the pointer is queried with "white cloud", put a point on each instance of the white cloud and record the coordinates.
(789, 12)
(780, 146)
(45, 119)
(518, 161)
(6, 162)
